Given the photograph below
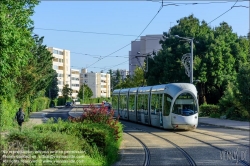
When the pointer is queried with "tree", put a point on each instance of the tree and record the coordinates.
(217, 57)
(66, 92)
(38, 74)
(52, 90)
(243, 78)
(87, 92)
(136, 80)
(16, 42)
(116, 79)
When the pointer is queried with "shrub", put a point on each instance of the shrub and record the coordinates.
(231, 105)
(48, 142)
(102, 130)
(8, 109)
(40, 103)
(208, 110)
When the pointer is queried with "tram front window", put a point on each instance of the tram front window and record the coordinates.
(185, 105)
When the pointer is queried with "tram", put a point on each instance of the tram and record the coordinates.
(169, 106)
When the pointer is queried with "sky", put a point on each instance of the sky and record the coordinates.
(99, 33)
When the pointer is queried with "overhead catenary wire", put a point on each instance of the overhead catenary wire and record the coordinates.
(109, 55)
(223, 13)
(132, 41)
(153, 19)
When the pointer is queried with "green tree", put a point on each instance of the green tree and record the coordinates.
(37, 74)
(66, 92)
(52, 90)
(217, 57)
(116, 79)
(243, 79)
(136, 80)
(15, 42)
(87, 92)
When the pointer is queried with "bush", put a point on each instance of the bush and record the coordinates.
(102, 130)
(209, 110)
(231, 105)
(98, 139)
(40, 103)
(8, 109)
(47, 143)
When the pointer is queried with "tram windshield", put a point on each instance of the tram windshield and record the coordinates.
(185, 105)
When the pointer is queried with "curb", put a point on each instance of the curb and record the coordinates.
(228, 127)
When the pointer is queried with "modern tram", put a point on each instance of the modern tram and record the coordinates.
(169, 106)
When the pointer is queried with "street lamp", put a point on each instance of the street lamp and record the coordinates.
(191, 57)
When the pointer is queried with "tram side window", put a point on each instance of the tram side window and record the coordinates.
(156, 103)
(167, 104)
(132, 103)
(123, 103)
(142, 103)
(115, 102)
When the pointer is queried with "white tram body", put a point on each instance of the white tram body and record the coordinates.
(169, 106)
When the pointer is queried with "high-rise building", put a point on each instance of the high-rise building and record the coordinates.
(145, 46)
(99, 83)
(65, 75)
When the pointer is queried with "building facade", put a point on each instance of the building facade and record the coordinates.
(65, 75)
(75, 82)
(145, 46)
(99, 83)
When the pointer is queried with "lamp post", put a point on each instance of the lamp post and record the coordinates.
(191, 57)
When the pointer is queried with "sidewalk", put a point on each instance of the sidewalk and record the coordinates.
(38, 117)
(226, 123)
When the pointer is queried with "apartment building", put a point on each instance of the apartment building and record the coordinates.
(123, 73)
(145, 46)
(75, 82)
(65, 75)
(99, 83)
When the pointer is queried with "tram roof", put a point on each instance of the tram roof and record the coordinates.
(144, 89)
(116, 92)
(124, 91)
(174, 88)
(157, 88)
(133, 90)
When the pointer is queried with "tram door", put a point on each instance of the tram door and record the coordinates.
(123, 112)
(142, 109)
(156, 110)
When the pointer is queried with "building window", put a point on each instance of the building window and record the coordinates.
(55, 67)
(85, 75)
(55, 51)
(60, 52)
(86, 81)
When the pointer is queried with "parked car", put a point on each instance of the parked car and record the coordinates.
(68, 104)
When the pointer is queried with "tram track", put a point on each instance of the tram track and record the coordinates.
(184, 153)
(222, 139)
(146, 150)
(243, 162)
(187, 156)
